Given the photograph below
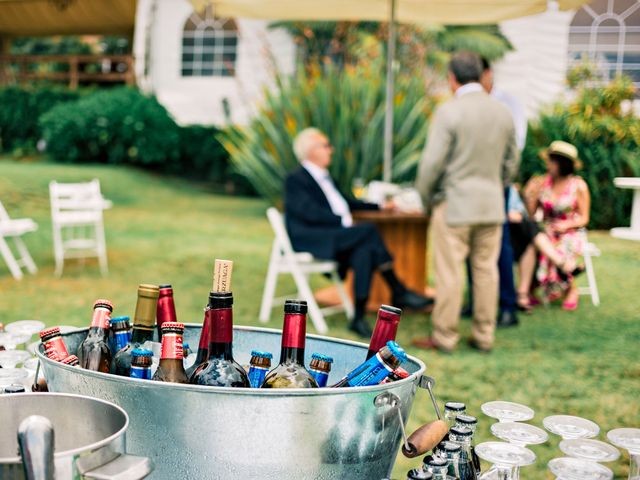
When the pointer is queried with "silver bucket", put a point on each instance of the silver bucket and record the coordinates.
(192, 431)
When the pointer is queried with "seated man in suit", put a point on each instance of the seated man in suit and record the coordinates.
(319, 221)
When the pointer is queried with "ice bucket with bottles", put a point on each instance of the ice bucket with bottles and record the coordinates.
(192, 431)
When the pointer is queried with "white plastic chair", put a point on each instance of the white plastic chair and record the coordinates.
(590, 250)
(300, 265)
(78, 226)
(14, 228)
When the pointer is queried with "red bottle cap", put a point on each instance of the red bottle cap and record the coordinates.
(101, 302)
(173, 325)
(49, 331)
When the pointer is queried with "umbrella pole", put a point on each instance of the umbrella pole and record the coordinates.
(388, 118)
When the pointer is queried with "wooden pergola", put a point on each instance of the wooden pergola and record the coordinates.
(33, 18)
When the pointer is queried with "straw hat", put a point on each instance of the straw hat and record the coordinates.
(562, 149)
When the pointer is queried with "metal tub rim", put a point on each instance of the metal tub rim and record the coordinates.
(289, 392)
(85, 448)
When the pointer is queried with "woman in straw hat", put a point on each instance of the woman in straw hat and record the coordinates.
(564, 200)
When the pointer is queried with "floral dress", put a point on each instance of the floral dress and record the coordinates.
(569, 244)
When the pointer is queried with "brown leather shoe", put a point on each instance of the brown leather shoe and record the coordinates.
(427, 343)
(473, 344)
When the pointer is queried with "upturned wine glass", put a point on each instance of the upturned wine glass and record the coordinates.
(628, 439)
(504, 457)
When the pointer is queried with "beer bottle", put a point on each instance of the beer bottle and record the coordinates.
(171, 367)
(71, 360)
(54, 347)
(437, 466)
(377, 368)
(260, 365)
(166, 311)
(144, 323)
(451, 453)
(94, 352)
(452, 410)
(14, 388)
(398, 374)
(222, 272)
(385, 329)
(141, 360)
(290, 372)
(320, 367)
(471, 423)
(120, 328)
(220, 369)
(461, 436)
(418, 474)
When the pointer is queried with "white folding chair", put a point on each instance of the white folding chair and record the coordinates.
(590, 251)
(14, 228)
(300, 265)
(78, 226)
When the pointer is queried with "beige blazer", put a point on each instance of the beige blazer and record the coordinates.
(470, 156)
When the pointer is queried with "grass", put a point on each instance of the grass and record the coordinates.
(168, 231)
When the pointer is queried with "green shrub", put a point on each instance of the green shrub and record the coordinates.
(348, 105)
(20, 108)
(115, 126)
(608, 142)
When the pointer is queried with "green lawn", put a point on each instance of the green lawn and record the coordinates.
(168, 231)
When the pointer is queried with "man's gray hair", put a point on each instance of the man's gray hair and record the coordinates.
(466, 67)
(302, 142)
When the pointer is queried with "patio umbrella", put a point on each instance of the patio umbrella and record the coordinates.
(452, 12)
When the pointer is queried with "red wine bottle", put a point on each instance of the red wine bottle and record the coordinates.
(220, 369)
(166, 310)
(291, 372)
(385, 329)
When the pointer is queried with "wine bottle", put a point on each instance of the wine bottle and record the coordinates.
(171, 367)
(94, 352)
(291, 372)
(222, 271)
(166, 310)
(144, 323)
(220, 369)
(385, 329)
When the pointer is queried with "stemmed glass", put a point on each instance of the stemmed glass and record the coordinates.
(11, 358)
(568, 468)
(25, 327)
(507, 411)
(521, 434)
(628, 439)
(587, 449)
(504, 457)
(11, 340)
(568, 426)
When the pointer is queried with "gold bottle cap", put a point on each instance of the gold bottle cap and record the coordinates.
(146, 305)
(222, 271)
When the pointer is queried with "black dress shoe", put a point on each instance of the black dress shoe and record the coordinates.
(467, 311)
(412, 300)
(361, 327)
(507, 318)
(473, 344)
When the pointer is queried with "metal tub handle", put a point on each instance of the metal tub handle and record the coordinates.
(35, 438)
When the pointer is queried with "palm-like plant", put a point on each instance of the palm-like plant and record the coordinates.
(348, 105)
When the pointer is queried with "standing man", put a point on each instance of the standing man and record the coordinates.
(319, 221)
(470, 155)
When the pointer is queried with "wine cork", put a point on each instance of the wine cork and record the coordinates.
(425, 438)
(222, 276)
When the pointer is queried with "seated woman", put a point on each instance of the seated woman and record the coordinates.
(565, 201)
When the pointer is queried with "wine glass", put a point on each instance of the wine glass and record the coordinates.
(568, 426)
(25, 327)
(588, 449)
(504, 457)
(11, 340)
(11, 358)
(628, 439)
(507, 411)
(9, 376)
(521, 434)
(568, 468)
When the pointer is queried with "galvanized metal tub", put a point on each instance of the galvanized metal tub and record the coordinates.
(198, 432)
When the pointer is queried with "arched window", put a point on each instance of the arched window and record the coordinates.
(209, 46)
(608, 32)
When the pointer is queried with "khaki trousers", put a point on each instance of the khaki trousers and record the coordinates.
(451, 246)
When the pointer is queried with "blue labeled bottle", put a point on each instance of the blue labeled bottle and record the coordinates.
(141, 363)
(377, 368)
(260, 365)
(320, 367)
(121, 329)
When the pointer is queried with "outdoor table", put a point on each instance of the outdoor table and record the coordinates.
(405, 235)
(632, 232)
